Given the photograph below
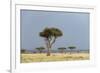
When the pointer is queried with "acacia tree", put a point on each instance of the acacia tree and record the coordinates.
(40, 49)
(71, 48)
(50, 35)
(23, 51)
(62, 49)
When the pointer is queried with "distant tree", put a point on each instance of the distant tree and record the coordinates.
(23, 51)
(71, 48)
(40, 49)
(62, 49)
(50, 35)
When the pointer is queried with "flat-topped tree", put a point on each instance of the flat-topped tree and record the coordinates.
(50, 35)
(23, 51)
(71, 48)
(40, 49)
(62, 49)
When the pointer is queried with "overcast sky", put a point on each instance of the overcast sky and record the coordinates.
(74, 25)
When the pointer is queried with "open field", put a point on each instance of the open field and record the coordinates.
(29, 58)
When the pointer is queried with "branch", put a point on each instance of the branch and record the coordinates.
(53, 41)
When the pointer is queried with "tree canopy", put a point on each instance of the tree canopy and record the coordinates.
(71, 47)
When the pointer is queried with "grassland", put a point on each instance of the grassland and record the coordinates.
(29, 58)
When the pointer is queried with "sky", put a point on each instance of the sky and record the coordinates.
(74, 25)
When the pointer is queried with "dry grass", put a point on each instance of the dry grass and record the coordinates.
(29, 58)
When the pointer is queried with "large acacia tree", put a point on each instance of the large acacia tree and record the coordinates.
(50, 35)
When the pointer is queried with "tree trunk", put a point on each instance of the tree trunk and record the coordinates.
(49, 51)
(70, 51)
(40, 51)
(48, 47)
